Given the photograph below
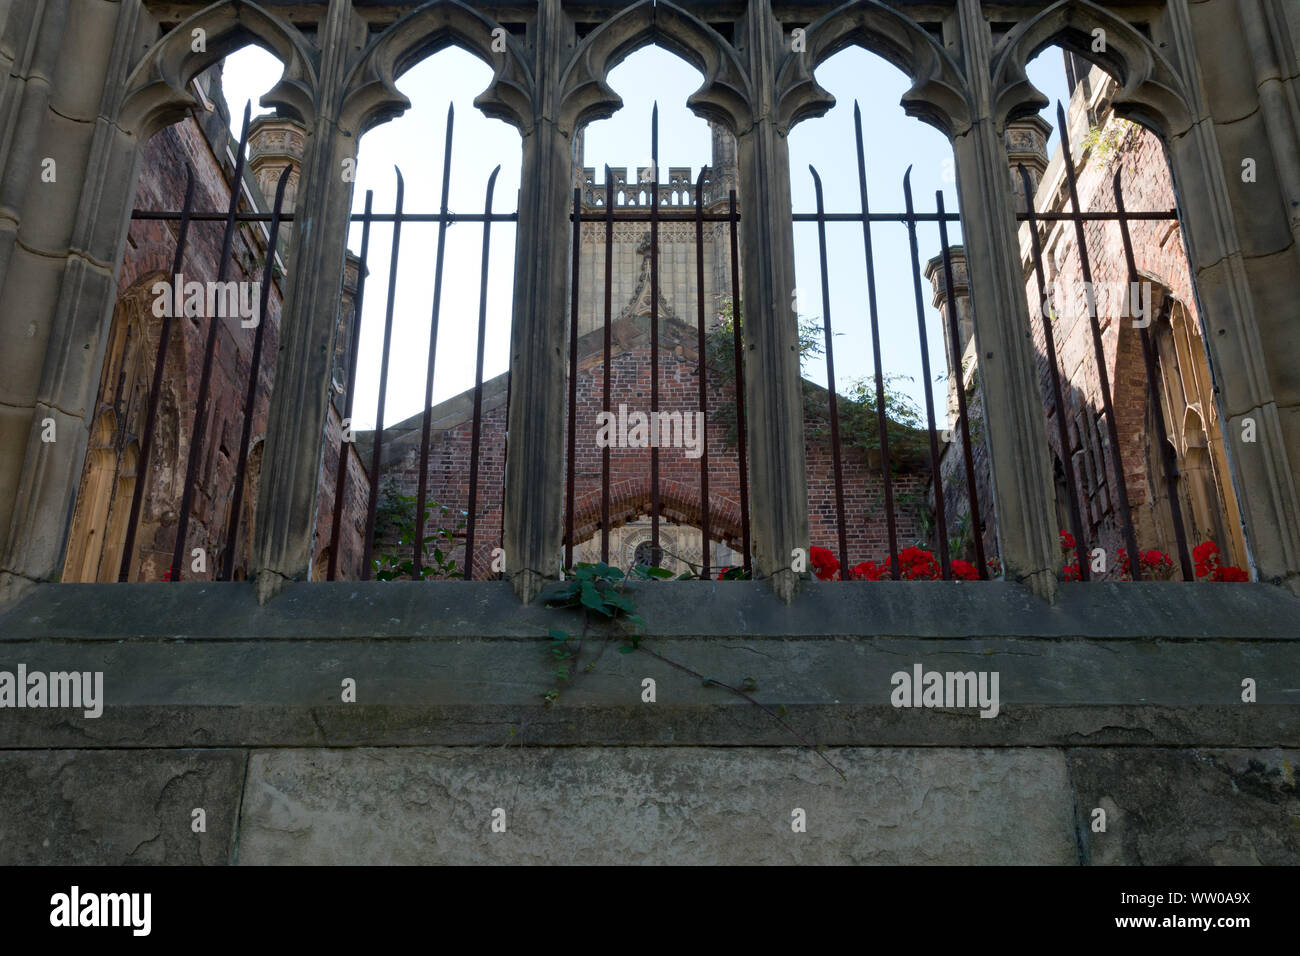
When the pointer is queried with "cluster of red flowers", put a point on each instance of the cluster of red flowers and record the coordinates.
(1156, 565)
(918, 564)
(1206, 556)
(914, 564)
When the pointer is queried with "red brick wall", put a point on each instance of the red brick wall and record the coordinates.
(679, 475)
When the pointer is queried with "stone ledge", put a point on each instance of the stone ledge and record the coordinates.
(433, 609)
(455, 664)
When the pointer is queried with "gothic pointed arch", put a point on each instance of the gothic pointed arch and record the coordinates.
(725, 96)
(938, 94)
(1151, 92)
(156, 93)
(371, 96)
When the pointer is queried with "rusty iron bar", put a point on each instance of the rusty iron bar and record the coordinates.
(199, 429)
(340, 481)
(656, 556)
(372, 505)
(1170, 465)
(705, 540)
(167, 215)
(505, 456)
(954, 339)
(882, 417)
(832, 400)
(570, 463)
(737, 351)
(1099, 350)
(941, 521)
(1062, 429)
(417, 567)
(609, 289)
(250, 400)
(155, 388)
(476, 434)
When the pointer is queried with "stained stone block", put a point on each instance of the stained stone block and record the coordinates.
(1189, 807)
(98, 807)
(661, 805)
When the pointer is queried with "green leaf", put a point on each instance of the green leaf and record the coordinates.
(592, 599)
(626, 649)
(557, 635)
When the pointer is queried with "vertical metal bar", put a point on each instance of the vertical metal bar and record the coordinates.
(656, 554)
(882, 417)
(1112, 431)
(609, 289)
(941, 520)
(705, 539)
(570, 463)
(505, 454)
(378, 450)
(423, 483)
(478, 380)
(954, 339)
(1062, 430)
(155, 389)
(1149, 358)
(737, 355)
(197, 432)
(340, 481)
(255, 367)
(832, 399)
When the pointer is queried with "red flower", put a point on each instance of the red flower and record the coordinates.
(1230, 573)
(825, 564)
(870, 571)
(1206, 555)
(964, 571)
(167, 575)
(1067, 541)
(917, 564)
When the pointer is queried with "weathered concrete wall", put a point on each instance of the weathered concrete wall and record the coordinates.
(1123, 697)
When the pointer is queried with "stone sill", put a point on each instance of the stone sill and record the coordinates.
(450, 664)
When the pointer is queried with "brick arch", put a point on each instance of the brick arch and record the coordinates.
(678, 502)
(725, 96)
(372, 97)
(1151, 92)
(156, 94)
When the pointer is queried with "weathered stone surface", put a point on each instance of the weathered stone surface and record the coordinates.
(453, 664)
(113, 807)
(685, 806)
(1189, 807)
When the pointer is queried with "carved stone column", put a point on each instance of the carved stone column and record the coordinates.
(286, 506)
(1023, 491)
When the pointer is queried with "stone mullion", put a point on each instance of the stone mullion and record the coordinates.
(295, 430)
(1023, 490)
(778, 485)
(65, 287)
(1205, 160)
(533, 517)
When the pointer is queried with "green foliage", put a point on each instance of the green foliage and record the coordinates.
(597, 588)
(1104, 141)
(395, 526)
(859, 422)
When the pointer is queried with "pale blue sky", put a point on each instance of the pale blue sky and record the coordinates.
(414, 142)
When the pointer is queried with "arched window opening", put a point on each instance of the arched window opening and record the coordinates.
(891, 402)
(1123, 366)
(183, 352)
(421, 374)
(653, 462)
